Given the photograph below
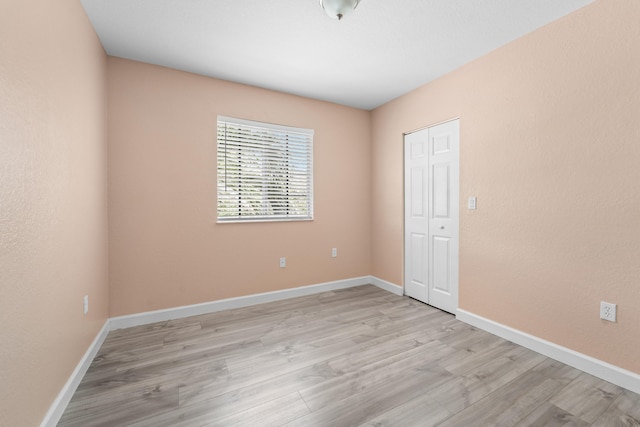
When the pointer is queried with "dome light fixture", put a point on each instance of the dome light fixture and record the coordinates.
(337, 9)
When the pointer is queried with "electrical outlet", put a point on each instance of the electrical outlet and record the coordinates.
(85, 304)
(283, 262)
(334, 252)
(607, 311)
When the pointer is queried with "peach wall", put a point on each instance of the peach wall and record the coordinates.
(53, 217)
(550, 145)
(166, 249)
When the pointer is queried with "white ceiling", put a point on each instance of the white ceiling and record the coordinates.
(384, 49)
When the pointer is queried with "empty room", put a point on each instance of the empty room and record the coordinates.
(320, 213)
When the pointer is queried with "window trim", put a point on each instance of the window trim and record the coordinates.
(309, 133)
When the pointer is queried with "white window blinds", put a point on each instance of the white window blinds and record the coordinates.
(265, 171)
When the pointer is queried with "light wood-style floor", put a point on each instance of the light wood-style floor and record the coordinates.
(355, 357)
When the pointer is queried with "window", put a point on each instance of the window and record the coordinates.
(265, 171)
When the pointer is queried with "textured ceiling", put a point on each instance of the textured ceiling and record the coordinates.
(381, 51)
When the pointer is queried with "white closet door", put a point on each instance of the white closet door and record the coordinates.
(416, 219)
(432, 215)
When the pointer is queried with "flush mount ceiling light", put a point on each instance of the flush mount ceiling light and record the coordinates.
(337, 9)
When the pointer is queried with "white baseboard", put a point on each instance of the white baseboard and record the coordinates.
(230, 303)
(387, 286)
(597, 368)
(64, 397)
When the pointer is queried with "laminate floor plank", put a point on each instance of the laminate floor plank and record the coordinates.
(419, 411)
(367, 403)
(549, 415)
(380, 373)
(376, 350)
(225, 412)
(623, 412)
(163, 362)
(259, 392)
(272, 413)
(510, 404)
(112, 411)
(353, 357)
(288, 358)
(255, 374)
(587, 397)
(481, 352)
(122, 387)
(464, 390)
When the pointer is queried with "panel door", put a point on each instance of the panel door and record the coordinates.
(416, 274)
(443, 216)
(432, 215)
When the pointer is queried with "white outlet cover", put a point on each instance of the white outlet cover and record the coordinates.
(608, 311)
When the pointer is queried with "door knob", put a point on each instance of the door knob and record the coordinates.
(442, 227)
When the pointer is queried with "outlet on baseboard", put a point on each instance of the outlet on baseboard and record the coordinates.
(334, 252)
(283, 262)
(608, 311)
(85, 304)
